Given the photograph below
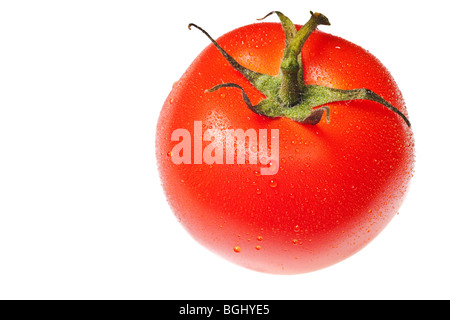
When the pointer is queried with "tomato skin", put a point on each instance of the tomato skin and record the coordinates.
(339, 183)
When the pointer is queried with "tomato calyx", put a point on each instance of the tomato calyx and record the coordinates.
(286, 94)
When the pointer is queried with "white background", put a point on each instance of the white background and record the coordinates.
(82, 213)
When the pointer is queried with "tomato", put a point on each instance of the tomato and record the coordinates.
(335, 184)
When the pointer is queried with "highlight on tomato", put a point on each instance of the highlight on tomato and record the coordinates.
(284, 149)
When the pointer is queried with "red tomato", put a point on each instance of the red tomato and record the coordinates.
(338, 184)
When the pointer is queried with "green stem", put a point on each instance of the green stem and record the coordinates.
(287, 95)
(288, 26)
(292, 84)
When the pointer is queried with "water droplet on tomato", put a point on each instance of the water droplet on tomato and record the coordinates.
(295, 241)
(273, 183)
(257, 173)
(171, 101)
(297, 228)
(169, 154)
(237, 249)
(259, 238)
(258, 191)
(258, 247)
